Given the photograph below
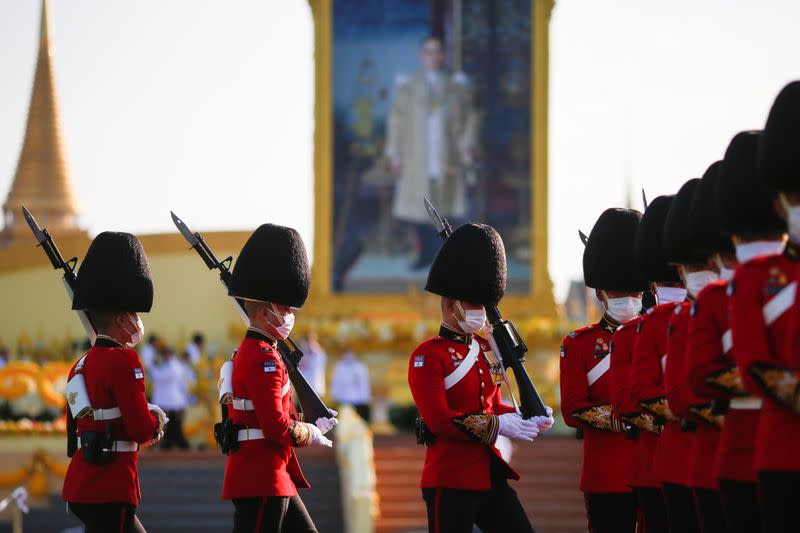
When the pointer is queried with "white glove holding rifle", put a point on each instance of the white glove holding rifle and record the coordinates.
(327, 424)
(544, 422)
(515, 427)
(162, 423)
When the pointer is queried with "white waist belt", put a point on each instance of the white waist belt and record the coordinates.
(250, 434)
(240, 404)
(750, 402)
(106, 414)
(120, 446)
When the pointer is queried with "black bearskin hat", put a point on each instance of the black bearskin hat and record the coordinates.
(745, 202)
(705, 235)
(678, 244)
(272, 267)
(470, 266)
(650, 258)
(114, 276)
(779, 147)
(608, 260)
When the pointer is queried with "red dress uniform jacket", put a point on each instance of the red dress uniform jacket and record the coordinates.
(268, 466)
(114, 378)
(674, 446)
(763, 291)
(711, 344)
(606, 452)
(647, 382)
(622, 402)
(458, 459)
(705, 354)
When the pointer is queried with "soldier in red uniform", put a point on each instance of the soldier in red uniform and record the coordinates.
(262, 473)
(779, 379)
(455, 379)
(676, 441)
(645, 381)
(707, 343)
(102, 484)
(759, 325)
(586, 384)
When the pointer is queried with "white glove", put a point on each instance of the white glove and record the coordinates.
(545, 422)
(327, 424)
(514, 426)
(161, 415)
(318, 438)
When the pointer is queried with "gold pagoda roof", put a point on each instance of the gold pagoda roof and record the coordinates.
(42, 181)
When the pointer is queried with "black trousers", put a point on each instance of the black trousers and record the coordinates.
(709, 511)
(107, 517)
(651, 503)
(780, 509)
(173, 433)
(613, 512)
(494, 511)
(740, 505)
(681, 513)
(276, 514)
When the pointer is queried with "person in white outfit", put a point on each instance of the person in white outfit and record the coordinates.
(350, 384)
(170, 378)
(195, 348)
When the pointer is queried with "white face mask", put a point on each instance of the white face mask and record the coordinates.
(792, 219)
(474, 319)
(668, 295)
(138, 331)
(749, 250)
(697, 281)
(624, 309)
(287, 322)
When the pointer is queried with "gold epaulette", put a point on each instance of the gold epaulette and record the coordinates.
(643, 421)
(660, 408)
(482, 428)
(301, 434)
(705, 412)
(782, 384)
(600, 417)
(727, 380)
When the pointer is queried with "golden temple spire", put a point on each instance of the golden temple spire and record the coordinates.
(42, 181)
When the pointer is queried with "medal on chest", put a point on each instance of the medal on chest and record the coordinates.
(600, 347)
(776, 282)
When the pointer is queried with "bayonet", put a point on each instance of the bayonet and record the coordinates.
(584, 238)
(45, 240)
(644, 199)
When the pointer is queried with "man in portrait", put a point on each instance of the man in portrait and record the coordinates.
(431, 135)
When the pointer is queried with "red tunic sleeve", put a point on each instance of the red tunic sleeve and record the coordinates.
(622, 343)
(704, 342)
(646, 374)
(574, 387)
(127, 389)
(750, 336)
(675, 387)
(263, 377)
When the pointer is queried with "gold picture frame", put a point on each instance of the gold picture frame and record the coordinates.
(323, 300)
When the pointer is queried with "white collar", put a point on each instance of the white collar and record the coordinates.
(750, 250)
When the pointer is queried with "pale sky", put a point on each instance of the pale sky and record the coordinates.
(206, 108)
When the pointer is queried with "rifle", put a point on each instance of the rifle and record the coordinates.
(310, 403)
(45, 240)
(504, 339)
